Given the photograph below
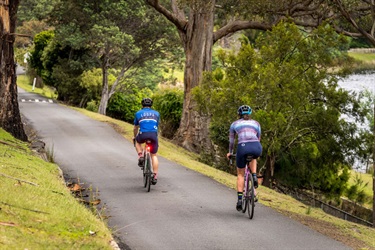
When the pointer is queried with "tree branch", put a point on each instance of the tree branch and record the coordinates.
(178, 22)
(239, 25)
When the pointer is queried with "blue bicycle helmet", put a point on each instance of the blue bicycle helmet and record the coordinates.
(244, 110)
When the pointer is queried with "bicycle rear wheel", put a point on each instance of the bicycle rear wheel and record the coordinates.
(245, 200)
(250, 196)
(145, 176)
(148, 166)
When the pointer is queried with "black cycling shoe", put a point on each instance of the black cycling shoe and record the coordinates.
(255, 178)
(255, 198)
(141, 161)
(154, 181)
(239, 205)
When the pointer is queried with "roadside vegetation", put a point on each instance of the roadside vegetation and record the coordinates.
(37, 210)
(363, 62)
(354, 235)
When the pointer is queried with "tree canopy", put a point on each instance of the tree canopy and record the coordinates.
(295, 98)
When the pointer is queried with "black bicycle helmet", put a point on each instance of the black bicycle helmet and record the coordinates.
(244, 110)
(146, 102)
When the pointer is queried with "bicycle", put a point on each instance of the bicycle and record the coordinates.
(148, 174)
(248, 200)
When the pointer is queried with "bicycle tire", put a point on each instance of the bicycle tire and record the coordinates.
(145, 176)
(245, 200)
(250, 198)
(149, 172)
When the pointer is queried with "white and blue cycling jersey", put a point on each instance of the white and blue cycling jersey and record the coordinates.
(147, 119)
(246, 130)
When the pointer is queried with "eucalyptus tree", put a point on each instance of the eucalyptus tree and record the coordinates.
(296, 100)
(10, 117)
(120, 34)
(202, 23)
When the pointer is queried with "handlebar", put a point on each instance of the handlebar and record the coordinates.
(231, 158)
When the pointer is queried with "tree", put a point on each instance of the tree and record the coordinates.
(354, 18)
(10, 117)
(295, 99)
(120, 35)
(201, 24)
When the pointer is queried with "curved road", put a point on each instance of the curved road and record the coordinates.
(185, 210)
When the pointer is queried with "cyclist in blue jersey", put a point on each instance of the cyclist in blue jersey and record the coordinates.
(248, 132)
(146, 123)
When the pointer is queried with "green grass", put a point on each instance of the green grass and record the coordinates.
(25, 83)
(37, 211)
(365, 57)
(367, 185)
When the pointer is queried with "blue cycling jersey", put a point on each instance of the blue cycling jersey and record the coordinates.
(147, 119)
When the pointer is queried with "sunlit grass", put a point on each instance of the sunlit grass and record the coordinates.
(366, 57)
(37, 210)
(25, 83)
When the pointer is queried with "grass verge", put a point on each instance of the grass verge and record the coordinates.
(37, 211)
(351, 234)
(25, 83)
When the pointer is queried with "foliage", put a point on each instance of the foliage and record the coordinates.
(356, 192)
(123, 106)
(35, 10)
(121, 36)
(41, 41)
(168, 102)
(295, 99)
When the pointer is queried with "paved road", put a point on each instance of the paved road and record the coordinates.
(185, 210)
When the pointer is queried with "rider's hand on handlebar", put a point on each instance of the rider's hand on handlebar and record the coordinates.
(229, 156)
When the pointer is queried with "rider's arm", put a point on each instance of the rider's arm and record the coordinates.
(232, 134)
(135, 130)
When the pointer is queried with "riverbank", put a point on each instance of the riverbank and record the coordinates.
(364, 60)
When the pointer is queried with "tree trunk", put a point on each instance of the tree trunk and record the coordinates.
(105, 91)
(269, 172)
(193, 133)
(10, 117)
(373, 175)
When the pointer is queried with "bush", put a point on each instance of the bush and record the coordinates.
(123, 106)
(169, 103)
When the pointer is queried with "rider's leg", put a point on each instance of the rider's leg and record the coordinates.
(155, 164)
(240, 179)
(253, 168)
(138, 147)
(240, 186)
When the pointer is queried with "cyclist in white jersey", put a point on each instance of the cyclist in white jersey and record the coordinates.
(248, 132)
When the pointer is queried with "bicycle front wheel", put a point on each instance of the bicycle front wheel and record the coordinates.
(251, 196)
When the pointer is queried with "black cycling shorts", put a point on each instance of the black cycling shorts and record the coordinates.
(244, 149)
(142, 137)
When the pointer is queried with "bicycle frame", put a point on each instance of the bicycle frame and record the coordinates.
(248, 202)
(147, 167)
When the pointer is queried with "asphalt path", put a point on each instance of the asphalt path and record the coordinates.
(185, 210)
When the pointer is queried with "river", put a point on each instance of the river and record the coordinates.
(357, 83)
